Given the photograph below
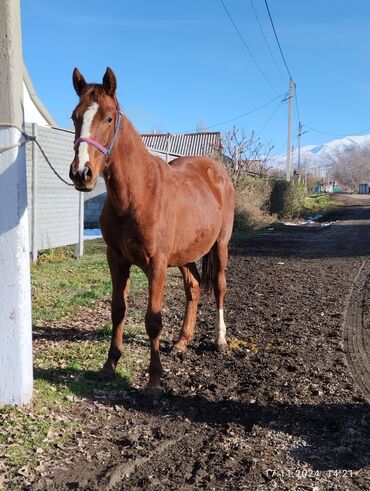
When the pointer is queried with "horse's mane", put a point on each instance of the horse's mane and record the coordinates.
(94, 92)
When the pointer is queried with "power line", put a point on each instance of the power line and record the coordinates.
(335, 134)
(292, 86)
(269, 118)
(277, 40)
(246, 113)
(266, 42)
(247, 47)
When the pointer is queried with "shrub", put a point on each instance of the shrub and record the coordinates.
(252, 200)
(287, 198)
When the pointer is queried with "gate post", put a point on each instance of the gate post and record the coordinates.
(79, 247)
(15, 298)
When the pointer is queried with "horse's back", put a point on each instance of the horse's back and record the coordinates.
(197, 169)
(205, 176)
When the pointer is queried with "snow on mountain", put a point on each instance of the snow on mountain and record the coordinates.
(320, 156)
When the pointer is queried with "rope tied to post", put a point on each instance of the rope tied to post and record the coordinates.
(25, 135)
(28, 138)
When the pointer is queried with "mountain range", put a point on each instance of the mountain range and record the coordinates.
(320, 156)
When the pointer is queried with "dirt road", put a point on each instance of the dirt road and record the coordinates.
(285, 408)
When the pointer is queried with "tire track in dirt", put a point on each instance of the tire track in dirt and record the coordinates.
(356, 329)
(115, 475)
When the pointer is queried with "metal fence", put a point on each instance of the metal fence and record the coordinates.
(55, 208)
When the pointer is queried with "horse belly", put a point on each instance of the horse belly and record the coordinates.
(190, 245)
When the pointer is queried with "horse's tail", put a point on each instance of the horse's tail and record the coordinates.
(210, 270)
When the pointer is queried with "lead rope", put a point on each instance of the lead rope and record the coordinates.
(28, 138)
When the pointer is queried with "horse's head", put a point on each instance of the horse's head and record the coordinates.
(96, 119)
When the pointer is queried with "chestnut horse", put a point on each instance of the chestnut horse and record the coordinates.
(155, 215)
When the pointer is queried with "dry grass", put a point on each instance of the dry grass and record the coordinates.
(252, 198)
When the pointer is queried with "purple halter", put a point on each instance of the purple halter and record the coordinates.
(104, 150)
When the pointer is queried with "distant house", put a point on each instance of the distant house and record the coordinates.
(184, 144)
(166, 146)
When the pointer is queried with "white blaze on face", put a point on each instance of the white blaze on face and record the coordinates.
(220, 329)
(83, 149)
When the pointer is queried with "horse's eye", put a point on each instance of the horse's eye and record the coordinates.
(109, 120)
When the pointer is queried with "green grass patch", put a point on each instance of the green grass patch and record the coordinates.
(318, 203)
(62, 284)
(62, 372)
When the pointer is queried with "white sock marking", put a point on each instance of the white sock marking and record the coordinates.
(83, 149)
(220, 328)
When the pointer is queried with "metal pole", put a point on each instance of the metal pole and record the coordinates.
(290, 112)
(34, 195)
(80, 246)
(15, 300)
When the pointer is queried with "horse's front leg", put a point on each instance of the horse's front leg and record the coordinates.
(120, 282)
(153, 319)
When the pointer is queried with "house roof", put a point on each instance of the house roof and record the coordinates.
(32, 93)
(186, 144)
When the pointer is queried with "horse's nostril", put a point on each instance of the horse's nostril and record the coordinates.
(87, 174)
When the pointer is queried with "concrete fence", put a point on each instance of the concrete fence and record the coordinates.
(94, 201)
(55, 208)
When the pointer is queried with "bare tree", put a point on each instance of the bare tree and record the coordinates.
(352, 167)
(244, 153)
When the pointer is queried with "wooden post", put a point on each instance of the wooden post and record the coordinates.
(15, 298)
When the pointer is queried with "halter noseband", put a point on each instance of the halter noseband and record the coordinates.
(104, 150)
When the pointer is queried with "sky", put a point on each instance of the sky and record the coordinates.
(181, 65)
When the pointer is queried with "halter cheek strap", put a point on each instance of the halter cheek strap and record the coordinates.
(104, 150)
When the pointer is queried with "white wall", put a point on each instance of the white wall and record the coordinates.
(31, 112)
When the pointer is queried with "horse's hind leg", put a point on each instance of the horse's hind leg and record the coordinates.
(120, 282)
(192, 291)
(219, 285)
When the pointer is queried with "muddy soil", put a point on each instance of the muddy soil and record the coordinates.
(286, 407)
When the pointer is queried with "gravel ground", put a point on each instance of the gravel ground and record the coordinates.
(286, 407)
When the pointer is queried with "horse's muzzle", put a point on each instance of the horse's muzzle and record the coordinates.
(82, 179)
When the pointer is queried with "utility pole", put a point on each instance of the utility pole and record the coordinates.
(15, 297)
(300, 133)
(290, 112)
(299, 146)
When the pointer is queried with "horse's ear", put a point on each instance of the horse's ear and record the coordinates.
(109, 82)
(79, 82)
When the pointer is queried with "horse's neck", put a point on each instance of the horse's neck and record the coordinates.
(128, 170)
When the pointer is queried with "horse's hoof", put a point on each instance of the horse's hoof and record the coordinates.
(105, 374)
(180, 346)
(221, 347)
(153, 392)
